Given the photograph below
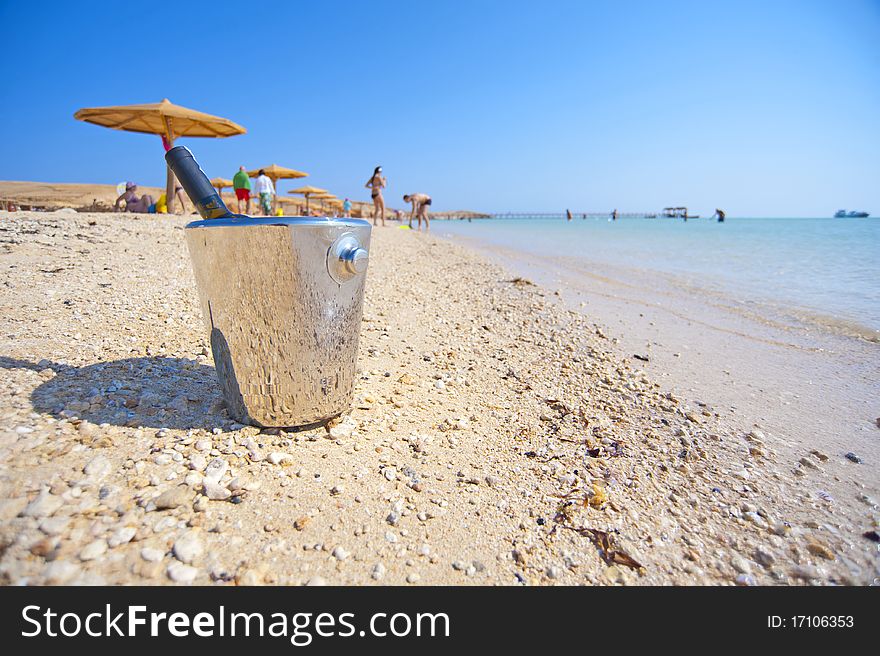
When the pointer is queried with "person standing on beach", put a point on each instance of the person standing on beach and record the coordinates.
(614, 215)
(376, 184)
(264, 188)
(242, 185)
(180, 196)
(568, 214)
(162, 203)
(420, 205)
(346, 208)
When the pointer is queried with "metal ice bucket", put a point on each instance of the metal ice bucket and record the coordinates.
(283, 301)
(282, 298)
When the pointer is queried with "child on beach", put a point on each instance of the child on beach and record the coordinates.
(420, 204)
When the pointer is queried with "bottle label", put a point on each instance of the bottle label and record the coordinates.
(211, 207)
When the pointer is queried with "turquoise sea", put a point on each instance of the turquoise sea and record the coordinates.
(823, 270)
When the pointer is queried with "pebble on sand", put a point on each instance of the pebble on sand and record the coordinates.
(122, 535)
(342, 430)
(279, 457)
(180, 573)
(176, 496)
(152, 555)
(819, 549)
(93, 550)
(10, 508)
(215, 470)
(44, 505)
(98, 467)
(741, 565)
(54, 525)
(215, 491)
(188, 547)
(60, 572)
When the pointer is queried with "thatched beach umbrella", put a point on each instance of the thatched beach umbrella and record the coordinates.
(307, 192)
(290, 201)
(326, 199)
(276, 173)
(220, 184)
(166, 119)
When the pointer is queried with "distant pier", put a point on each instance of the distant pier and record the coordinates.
(575, 215)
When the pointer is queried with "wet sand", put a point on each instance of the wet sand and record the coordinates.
(498, 436)
(811, 382)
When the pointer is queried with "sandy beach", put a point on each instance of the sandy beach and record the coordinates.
(499, 436)
(27, 195)
(809, 380)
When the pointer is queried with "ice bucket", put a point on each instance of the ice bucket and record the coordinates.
(282, 298)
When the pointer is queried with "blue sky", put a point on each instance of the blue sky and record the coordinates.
(761, 108)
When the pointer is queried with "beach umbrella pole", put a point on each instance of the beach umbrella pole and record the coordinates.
(169, 190)
(169, 180)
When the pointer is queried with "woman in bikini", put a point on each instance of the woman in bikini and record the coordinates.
(132, 202)
(376, 183)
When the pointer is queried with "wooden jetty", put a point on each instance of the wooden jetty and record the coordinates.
(575, 215)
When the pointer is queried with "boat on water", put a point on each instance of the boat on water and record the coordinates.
(678, 213)
(843, 214)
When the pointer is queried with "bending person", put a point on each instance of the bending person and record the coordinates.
(376, 184)
(420, 205)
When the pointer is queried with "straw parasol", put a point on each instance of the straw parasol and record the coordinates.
(220, 184)
(166, 119)
(327, 198)
(295, 201)
(276, 173)
(307, 192)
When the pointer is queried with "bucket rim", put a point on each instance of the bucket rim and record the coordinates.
(246, 221)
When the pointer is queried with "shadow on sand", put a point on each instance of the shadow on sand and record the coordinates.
(158, 392)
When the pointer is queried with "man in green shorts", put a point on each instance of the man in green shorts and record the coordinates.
(242, 185)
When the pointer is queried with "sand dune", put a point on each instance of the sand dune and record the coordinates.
(55, 195)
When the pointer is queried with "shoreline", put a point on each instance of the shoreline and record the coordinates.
(497, 436)
(777, 274)
(816, 368)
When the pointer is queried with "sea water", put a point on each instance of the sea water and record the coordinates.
(822, 270)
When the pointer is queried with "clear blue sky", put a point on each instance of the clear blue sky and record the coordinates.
(761, 108)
